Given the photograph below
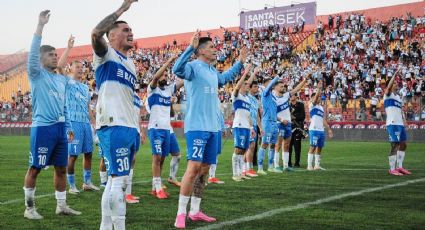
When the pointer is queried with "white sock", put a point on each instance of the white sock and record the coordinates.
(60, 198)
(285, 156)
(213, 168)
(195, 203)
(183, 200)
(174, 166)
(129, 182)
(400, 158)
(117, 202)
(235, 164)
(248, 167)
(276, 159)
(242, 163)
(29, 197)
(103, 177)
(157, 183)
(251, 165)
(392, 159)
(310, 158)
(105, 207)
(317, 161)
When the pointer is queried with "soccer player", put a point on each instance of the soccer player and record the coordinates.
(317, 130)
(396, 128)
(116, 120)
(256, 119)
(284, 119)
(242, 126)
(159, 127)
(77, 103)
(268, 122)
(50, 123)
(201, 123)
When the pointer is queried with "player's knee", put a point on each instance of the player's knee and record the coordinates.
(403, 146)
(88, 156)
(33, 171)
(204, 169)
(60, 171)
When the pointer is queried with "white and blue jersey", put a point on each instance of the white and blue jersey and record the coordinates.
(395, 123)
(77, 104)
(159, 127)
(316, 128)
(116, 119)
(242, 121)
(269, 115)
(50, 121)
(201, 82)
(284, 113)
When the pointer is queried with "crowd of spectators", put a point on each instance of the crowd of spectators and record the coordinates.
(353, 55)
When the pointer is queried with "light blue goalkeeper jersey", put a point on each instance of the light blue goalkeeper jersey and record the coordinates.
(201, 82)
(47, 89)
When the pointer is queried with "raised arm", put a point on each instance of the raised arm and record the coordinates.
(300, 85)
(161, 71)
(181, 69)
(271, 84)
(390, 84)
(231, 73)
(241, 81)
(98, 43)
(64, 57)
(318, 93)
(34, 55)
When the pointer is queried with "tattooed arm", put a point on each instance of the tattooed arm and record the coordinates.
(98, 43)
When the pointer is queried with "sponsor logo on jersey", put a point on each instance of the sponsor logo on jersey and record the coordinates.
(122, 151)
(43, 150)
(198, 142)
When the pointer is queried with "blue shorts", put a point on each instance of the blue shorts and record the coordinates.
(83, 139)
(255, 137)
(317, 138)
(48, 146)
(160, 141)
(174, 145)
(202, 146)
(219, 142)
(396, 133)
(270, 135)
(118, 148)
(241, 138)
(285, 131)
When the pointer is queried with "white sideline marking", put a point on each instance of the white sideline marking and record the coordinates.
(222, 174)
(307, 204)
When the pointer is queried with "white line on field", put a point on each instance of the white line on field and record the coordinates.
(307, 204)
(222, 174)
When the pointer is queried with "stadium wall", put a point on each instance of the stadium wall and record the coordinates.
(343, 131)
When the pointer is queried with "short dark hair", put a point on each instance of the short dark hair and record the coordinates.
(115, 25)
(202, 42)
(253, 83)
(46, 48)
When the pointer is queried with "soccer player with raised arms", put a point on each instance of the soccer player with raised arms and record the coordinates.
(201, 82)
(50, 123)
(116, 119)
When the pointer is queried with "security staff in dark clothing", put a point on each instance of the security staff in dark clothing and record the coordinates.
(298, 132)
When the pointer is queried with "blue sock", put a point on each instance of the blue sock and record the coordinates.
(260, 158)
(87, 176)
(271, 157)
(71, 180)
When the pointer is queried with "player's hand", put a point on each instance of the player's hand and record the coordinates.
(126, 4)
(285, 122)
(71, 42)
(70, 136)
(243, 54)
(330, 133)
(173, 57)
(43, 18)
(256, 71)
(261, 132)
(194, 41)
(248, 67)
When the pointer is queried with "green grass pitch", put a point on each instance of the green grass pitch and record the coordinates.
(352, 166)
